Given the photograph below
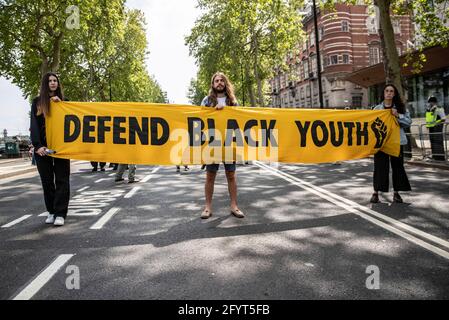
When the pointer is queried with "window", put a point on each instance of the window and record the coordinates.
(346, 58)
(356, 102)
(312, 37)
(320, 33)
(344, 26)
(322, 62)
(301, 93)
(396, 25)
(399, 50)
(313, 65)
(304, 46)
(338, 85)
(371, 25)
(333, 59)
(306, 69)
(373, 55)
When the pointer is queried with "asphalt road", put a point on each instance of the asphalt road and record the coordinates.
(309, 233)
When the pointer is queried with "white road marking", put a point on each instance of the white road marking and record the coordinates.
(79, 162)
(82, 189)
(44, 214)
(17, 166)
(104, 219)
(148, 177)
(356, 208)
(17, 221)
(111, 174)
(45, 276)
(102, 179)
(132, 192)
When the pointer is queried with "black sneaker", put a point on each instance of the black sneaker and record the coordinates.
(397, 198)
(374, 198)
(133, 181)
(119, 179)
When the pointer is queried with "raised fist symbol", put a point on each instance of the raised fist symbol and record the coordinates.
(380, 131)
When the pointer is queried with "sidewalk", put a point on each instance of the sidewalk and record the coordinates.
(443, 165)
(14, 167)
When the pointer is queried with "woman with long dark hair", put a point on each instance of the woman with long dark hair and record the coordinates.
(54, 173)
(391, 100)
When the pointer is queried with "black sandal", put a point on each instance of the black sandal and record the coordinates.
(397, 198)
(374, 198)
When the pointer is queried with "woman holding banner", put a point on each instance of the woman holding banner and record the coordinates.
(54, 173)
(391, 100)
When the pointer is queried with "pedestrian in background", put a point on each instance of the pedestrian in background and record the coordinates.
(131, 173)
(435, 119)
(95, 166)
(178, 168)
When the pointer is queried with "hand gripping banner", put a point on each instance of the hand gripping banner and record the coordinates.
(166, 134)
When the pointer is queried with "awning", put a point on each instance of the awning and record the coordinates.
(436, 58)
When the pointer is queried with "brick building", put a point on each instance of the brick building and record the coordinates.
(348, 41)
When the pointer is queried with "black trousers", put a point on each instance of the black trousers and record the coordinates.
(381, 176)
(436, 142)
(95, 164)
(55, 178)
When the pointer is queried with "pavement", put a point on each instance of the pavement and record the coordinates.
(15, 167)
(309, 233)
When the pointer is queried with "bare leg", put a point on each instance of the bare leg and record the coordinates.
(232, 187)
(209, 189)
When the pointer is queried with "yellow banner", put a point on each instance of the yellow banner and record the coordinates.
(144, 133)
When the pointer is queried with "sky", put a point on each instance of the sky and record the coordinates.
(168, 22)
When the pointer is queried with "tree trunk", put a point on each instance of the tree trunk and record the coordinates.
(56, 54)
(256, 73)
(249, 84)
(392, 65)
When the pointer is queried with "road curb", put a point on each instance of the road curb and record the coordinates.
(16, 173)
(428, 165)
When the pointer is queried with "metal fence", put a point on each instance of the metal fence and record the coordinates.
(420, 141)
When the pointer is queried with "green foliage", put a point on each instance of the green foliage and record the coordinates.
(106, 54)
(197, 91)
(245, 39)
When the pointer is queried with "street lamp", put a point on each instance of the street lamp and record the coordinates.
(318, 57)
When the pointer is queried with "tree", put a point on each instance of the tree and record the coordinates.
(387, 39)
(97, 46)
(245, 39)
(197, 91)
(432, 29)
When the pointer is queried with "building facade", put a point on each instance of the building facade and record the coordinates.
(348, 41)
(431, 80)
